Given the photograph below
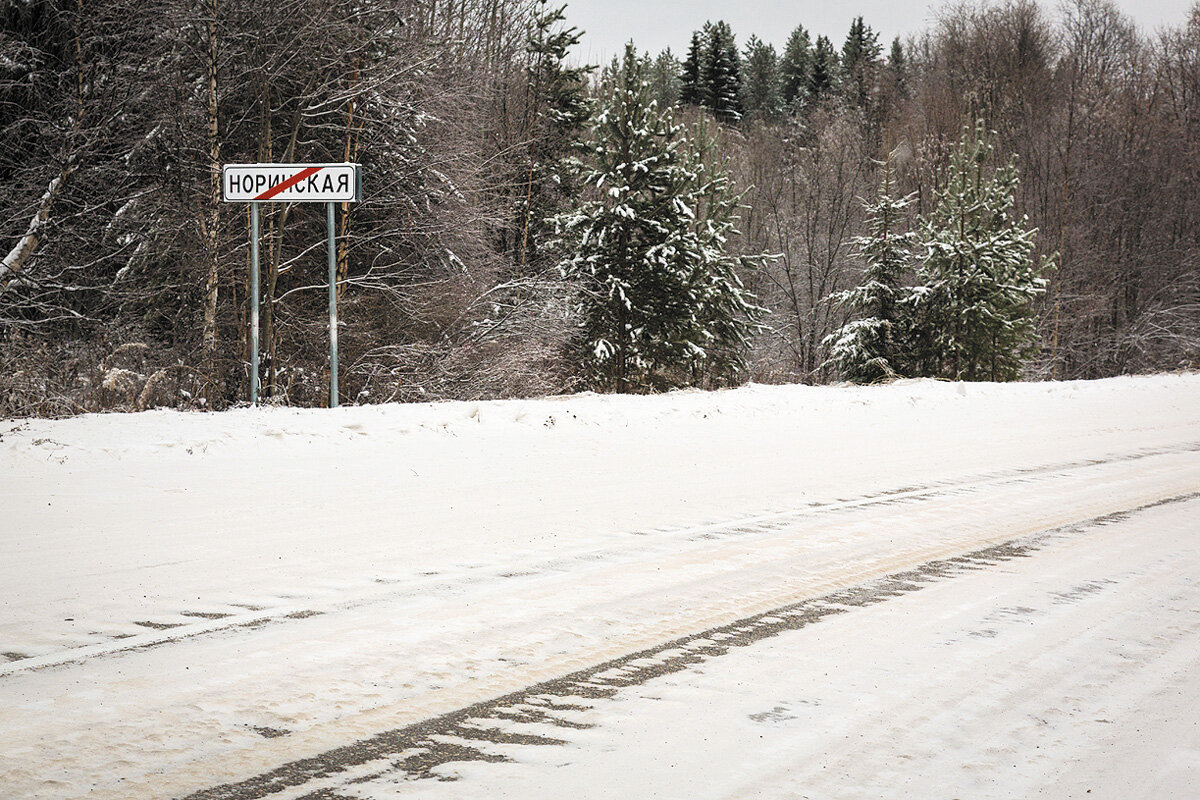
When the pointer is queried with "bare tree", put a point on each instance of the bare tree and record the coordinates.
(807, 209)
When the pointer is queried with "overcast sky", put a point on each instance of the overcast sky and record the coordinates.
(655, 24)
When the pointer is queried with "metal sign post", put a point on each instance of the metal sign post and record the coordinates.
(292, 183)
(254, 303)
(333, 349)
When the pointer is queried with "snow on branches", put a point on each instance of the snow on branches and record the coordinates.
(661, 300)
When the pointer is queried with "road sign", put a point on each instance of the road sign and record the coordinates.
(291, 183)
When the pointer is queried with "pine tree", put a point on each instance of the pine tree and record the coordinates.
(860, 61)
(974, 309)
(870, 348)
(795, 67)
(658, 296)
(721, 75)
(823, 69)
(760, 90)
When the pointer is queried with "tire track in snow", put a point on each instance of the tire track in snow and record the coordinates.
(201, 621)
(528, 717)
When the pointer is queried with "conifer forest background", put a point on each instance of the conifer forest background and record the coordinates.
(1012, 194)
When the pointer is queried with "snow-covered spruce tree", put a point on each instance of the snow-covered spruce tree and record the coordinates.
(659, 299)
(973, 309)
(869, 348)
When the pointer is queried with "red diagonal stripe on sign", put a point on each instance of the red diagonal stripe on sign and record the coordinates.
(289, 183)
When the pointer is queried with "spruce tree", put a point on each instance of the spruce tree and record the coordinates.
(795, 67)
(760, 88)
(870, 347)
(898, 65)
(658, 296)
(823, 70)
(721, 73)
(560, 109)
(665, 86)
(860, 61)
(691, 91)
(610, 74)
(893, 81)
(979, 278)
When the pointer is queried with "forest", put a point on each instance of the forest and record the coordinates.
(1011, 194)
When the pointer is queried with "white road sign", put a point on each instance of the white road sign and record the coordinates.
(292, 183)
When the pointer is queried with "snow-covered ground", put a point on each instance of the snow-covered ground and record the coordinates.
(358, 600)
(1074, 673)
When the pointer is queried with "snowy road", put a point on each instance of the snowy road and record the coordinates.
(1063, 666)
(665, 597)
(1066, 668)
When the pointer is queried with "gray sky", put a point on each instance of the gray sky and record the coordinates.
(655, 24)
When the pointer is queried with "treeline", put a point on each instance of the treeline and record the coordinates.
(1100, 119)
(124, 279)
(463, 274)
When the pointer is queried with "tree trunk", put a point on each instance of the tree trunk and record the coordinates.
(349, 156)
(12, 267)
(276, 225)
(210, 220)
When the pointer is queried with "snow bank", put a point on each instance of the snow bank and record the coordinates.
(137, 517)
